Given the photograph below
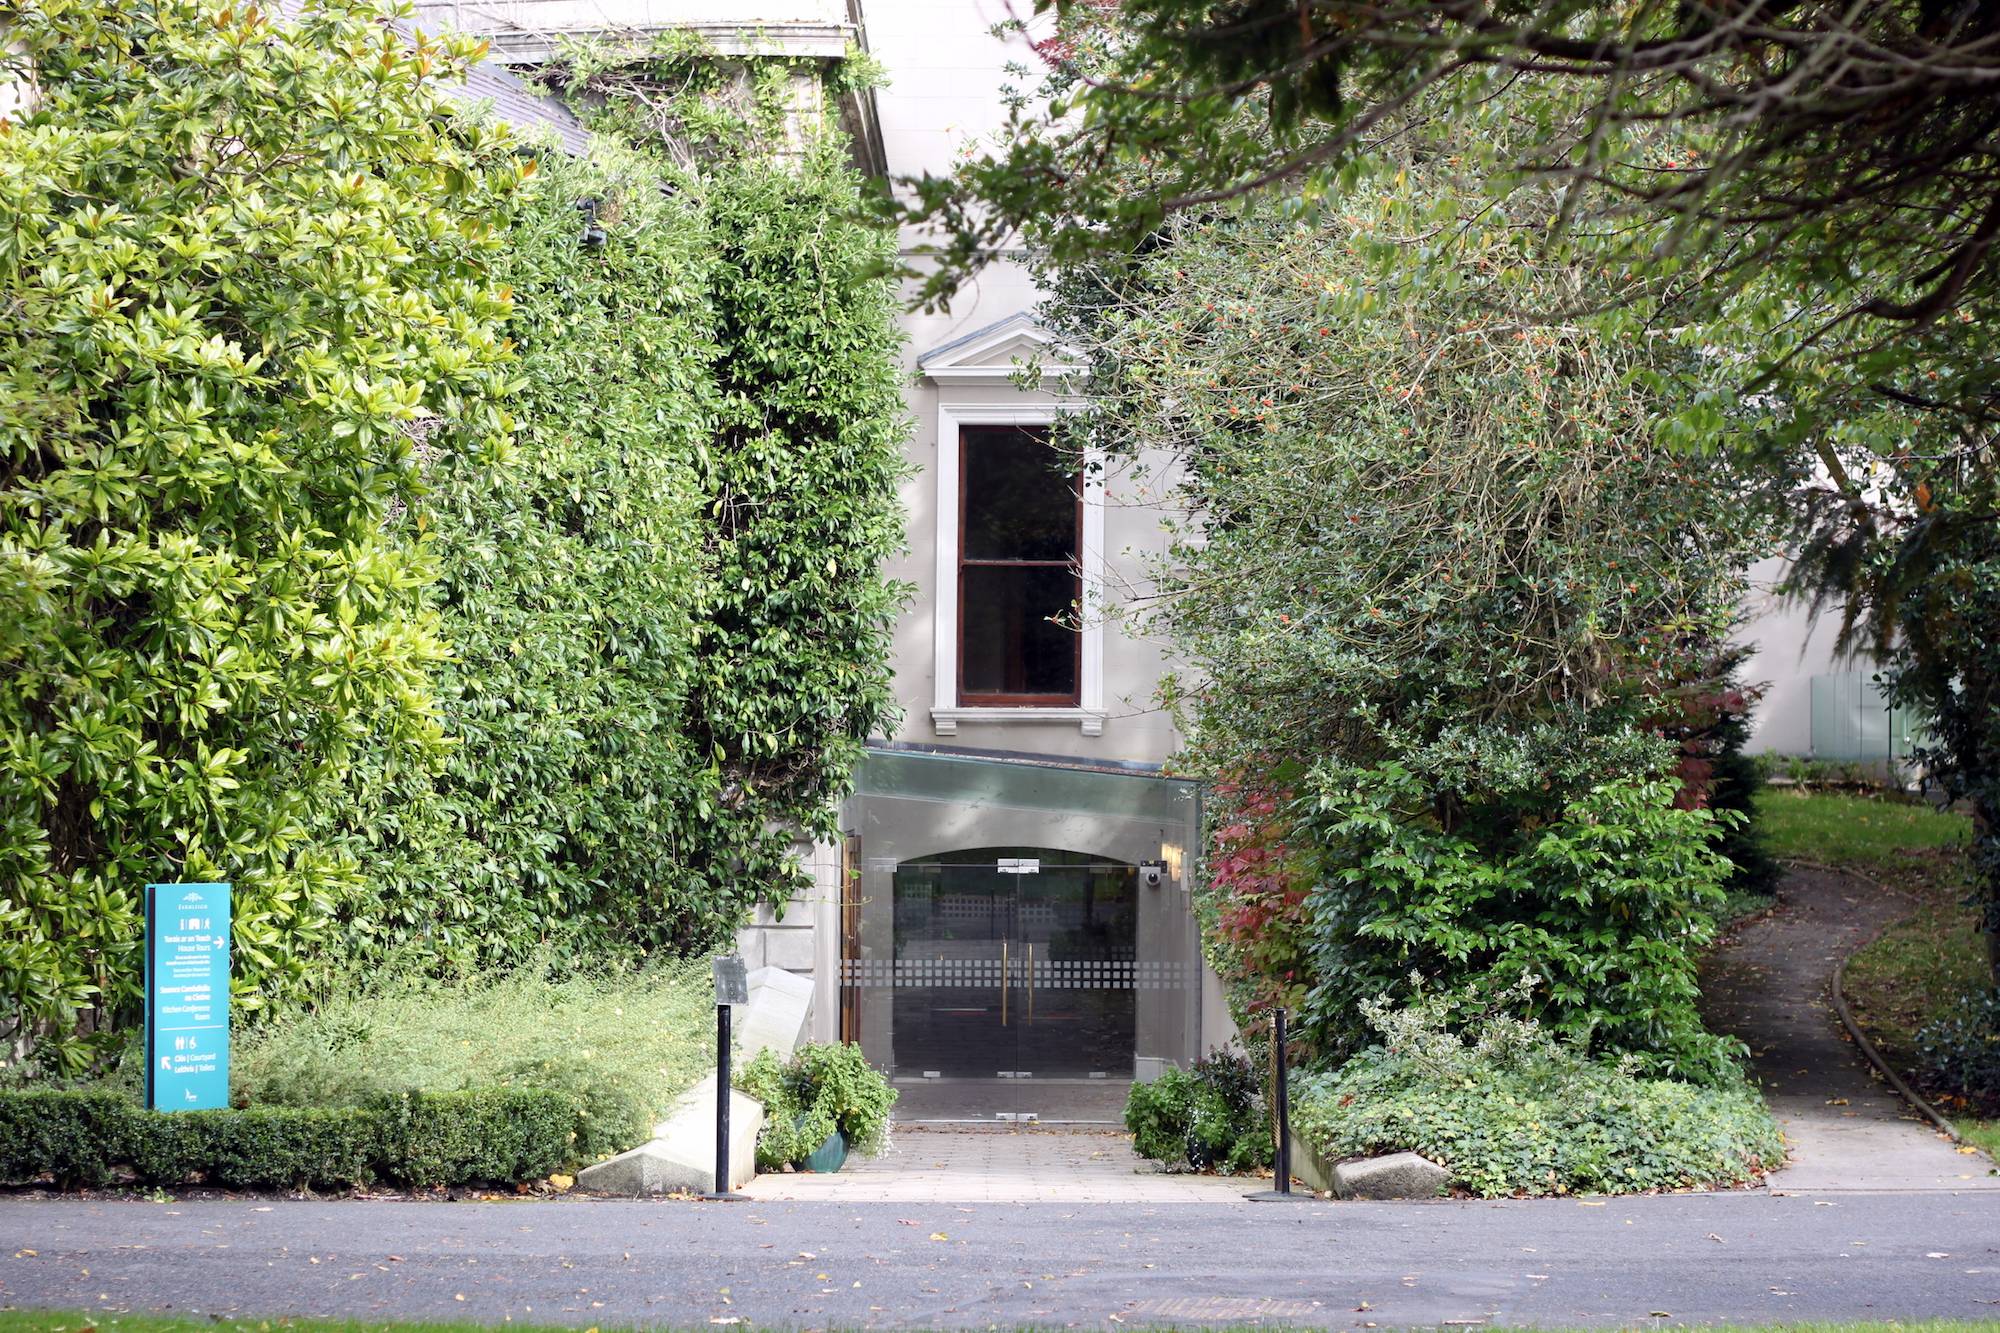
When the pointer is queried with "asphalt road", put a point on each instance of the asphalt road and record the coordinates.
(1690, 1258)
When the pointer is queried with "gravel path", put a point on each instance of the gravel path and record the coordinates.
(1769, 984)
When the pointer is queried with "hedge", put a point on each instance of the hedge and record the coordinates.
(86, 1138)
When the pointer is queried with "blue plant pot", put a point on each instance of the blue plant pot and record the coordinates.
(829, 1156)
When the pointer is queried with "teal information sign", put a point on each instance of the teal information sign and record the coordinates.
(187, 996)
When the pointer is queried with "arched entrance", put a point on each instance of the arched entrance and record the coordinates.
(1016, 939)
(1015, 962)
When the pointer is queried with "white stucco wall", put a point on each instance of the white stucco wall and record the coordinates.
(1791, 647)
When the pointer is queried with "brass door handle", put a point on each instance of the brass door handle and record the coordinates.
(1003, 983)
(1031, 985)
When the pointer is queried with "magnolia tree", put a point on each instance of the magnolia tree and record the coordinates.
(1444, 596)
(214, 351)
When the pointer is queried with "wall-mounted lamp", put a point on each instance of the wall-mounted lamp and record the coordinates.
(593, 235)
(1152, 874)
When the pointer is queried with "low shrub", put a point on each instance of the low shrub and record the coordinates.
(1960, 1051)
(1211, 1116)
(1510, 1108)
(480, 1136)
(618, 1048)
(824, 1087)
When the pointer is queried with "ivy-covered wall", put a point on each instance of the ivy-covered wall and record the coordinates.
(666, 613)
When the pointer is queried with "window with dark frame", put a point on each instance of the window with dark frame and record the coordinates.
(1019, 582)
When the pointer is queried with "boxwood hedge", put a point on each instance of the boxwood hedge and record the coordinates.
(480, 1136)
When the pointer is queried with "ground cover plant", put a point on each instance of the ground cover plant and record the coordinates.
(1444, 597)
(217, 351)
(1211, 1116)
(1511, 1108)
(618, 1047)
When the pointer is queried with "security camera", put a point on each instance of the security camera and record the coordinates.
(1152, 874)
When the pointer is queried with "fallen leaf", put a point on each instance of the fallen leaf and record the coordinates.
(939, 1235)
(561, 1181)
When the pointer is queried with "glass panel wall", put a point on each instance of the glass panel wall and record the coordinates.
(1014, 920)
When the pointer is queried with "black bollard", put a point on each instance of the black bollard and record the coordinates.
(1281, 1117)
(721, 1099)
(722, 1191)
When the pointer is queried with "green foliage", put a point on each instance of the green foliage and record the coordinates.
(278, 605)
(217, 350)
(668, 621)
(1210, 1116)
(1608, 901)
(569, 813)
(615, 1049)
(1510, 1108)
(80, 1138)
(824, 1087)
(1961, 1052)
(1444, 600)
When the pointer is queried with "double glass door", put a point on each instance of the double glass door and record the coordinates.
(1015, 962)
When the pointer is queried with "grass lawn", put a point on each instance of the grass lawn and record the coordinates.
(1877, 835)
(1921, 967)
(29, 1321)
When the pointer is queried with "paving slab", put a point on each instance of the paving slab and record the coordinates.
(1770, 984)
(966, 1164)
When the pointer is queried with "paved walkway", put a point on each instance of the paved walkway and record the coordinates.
(1770, 986)
(963, 1164)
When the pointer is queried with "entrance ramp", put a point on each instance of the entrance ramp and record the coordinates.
(1085, 1104)
(971, 1165)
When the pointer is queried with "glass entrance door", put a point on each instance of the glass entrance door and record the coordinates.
(1014, 963)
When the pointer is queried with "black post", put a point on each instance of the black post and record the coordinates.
(721, 1099)
(1281, 1116)
(722, 1094)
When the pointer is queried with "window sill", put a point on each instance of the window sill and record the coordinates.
(946, 720)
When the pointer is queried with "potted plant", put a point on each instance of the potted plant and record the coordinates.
(821, 1104)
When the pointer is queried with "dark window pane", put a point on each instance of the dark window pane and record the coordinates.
(1020, 496)
(1009, 643)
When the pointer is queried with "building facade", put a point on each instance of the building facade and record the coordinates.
(1006, 924)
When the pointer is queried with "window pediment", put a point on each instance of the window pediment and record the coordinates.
(999, 352)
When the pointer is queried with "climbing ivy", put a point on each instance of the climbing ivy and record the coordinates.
(668, 621)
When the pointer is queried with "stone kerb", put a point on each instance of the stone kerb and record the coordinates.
(681, 1153)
